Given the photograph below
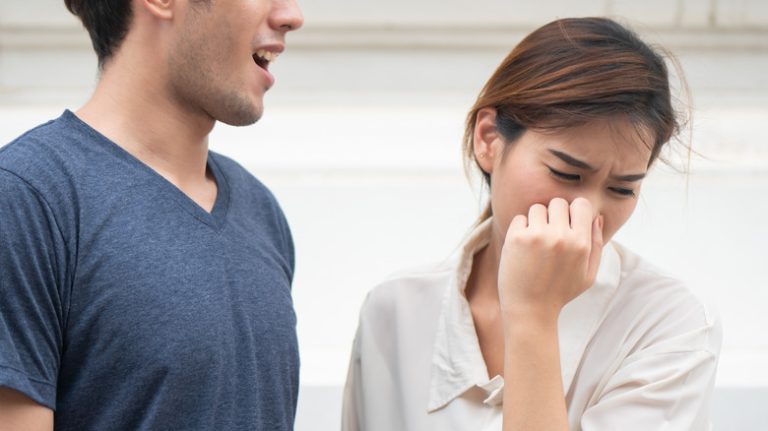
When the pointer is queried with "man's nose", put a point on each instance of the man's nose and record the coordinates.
(286, 16)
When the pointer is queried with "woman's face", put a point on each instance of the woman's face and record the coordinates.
(603, 161)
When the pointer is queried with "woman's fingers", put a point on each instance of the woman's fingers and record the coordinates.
(537, 216)
(590, 230)
(559, 213)
(596, 250)
(519, 222)
(550, 255)
(582, 217)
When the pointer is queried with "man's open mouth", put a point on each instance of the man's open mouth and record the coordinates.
(263, 58)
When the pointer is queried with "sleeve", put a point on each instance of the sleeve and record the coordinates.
(351, 411)
(664, 387)
(290, 252)
(31, 311)
(284, 236)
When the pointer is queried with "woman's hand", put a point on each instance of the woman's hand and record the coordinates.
(548, 258)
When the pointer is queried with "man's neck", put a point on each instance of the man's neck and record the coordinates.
(137, 111)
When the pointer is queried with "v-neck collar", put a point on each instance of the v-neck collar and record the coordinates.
(214, 219)
(457, 361)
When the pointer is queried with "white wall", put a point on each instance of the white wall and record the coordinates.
(361, 137)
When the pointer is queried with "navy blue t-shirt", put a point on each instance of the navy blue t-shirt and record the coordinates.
(126, 306)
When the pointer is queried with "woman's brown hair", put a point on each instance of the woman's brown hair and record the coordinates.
(571, 72)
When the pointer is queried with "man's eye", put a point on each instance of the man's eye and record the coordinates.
(564, 176)
(623, 192)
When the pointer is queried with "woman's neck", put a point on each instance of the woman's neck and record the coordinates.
(483, 298)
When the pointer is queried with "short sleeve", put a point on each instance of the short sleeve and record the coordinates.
(351, 414)
(288, 246)
(32, 268)
(661, 387)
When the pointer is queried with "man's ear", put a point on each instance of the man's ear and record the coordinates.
(486, 139)
(162, 9)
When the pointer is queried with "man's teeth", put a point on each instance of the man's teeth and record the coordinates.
(267, 55)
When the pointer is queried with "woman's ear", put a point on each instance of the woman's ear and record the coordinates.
(486, 139)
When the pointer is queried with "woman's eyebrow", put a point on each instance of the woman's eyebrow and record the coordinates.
(576, 163)
(629, 178)
(584, 165)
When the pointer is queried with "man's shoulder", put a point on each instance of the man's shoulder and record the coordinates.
(53, 162)
(28, 142)
(42, 151)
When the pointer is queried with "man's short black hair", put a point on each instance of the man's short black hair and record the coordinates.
(107, 22)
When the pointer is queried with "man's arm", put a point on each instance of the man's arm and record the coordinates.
(32, 267)
(20, 413)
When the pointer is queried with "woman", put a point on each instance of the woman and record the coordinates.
(541, 322)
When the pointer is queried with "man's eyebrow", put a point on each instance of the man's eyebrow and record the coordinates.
(584, 165)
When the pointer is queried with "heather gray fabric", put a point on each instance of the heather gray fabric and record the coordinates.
(126, 306)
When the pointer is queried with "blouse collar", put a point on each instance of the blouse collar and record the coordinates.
(457, 362)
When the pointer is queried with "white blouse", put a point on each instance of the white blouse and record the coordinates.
(638, 352)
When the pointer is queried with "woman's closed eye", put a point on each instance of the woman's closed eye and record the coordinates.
(624, 192)
(565, 176)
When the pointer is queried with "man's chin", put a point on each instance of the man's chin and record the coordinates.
(240, 122)
(242, 119)
(241, 114)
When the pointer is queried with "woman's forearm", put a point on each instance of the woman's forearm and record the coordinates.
(533, 388)
(549, 257)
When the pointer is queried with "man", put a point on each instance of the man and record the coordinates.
(145, 281)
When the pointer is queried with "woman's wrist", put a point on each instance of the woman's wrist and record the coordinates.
(522, 311)
(525, 321)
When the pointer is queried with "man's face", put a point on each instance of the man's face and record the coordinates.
(220, 57)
